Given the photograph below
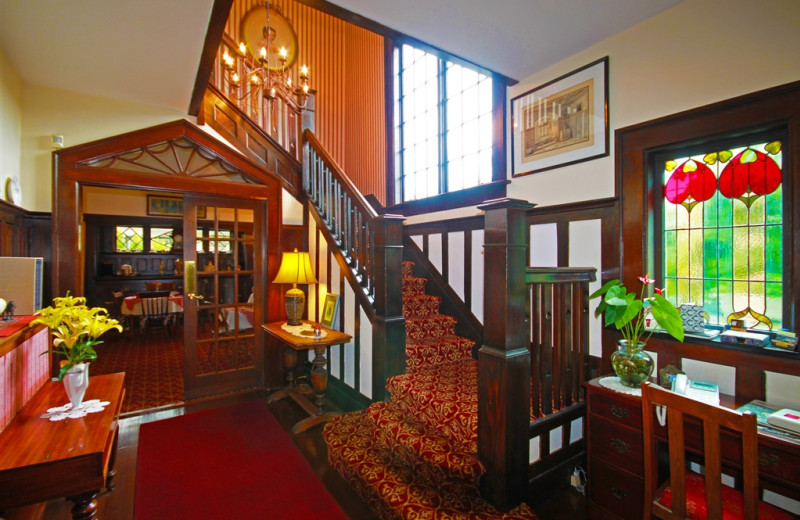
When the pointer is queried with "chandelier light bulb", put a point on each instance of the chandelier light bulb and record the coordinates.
(242, 48)
(263, 53)
(235, 78)
(304, 71)
(284, 53)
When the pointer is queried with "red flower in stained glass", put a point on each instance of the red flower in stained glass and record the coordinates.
(751, 170)
(690, 178)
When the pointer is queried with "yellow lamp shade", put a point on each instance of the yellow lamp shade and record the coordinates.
(295, 268)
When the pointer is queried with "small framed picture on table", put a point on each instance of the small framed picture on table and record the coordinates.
(330, 311)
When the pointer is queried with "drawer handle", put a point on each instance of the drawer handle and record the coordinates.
(618, 412)
(768, 459)
(620, 446)
(619, 493)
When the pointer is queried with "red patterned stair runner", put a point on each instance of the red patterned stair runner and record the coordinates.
(416, 456)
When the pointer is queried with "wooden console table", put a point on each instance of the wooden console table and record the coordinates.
(42, 460)
(616, 463)
(319, 374)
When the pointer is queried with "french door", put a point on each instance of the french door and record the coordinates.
(224, 285)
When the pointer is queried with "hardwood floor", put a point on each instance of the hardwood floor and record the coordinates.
(118, 504)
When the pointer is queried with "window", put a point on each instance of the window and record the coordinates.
(160, 240)
(443, 125)
(129, 238)
(723, 235)
(213, 240)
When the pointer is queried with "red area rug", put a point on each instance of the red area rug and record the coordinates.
(230, 462)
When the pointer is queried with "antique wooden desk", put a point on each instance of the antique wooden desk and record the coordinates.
(41, 459)
(319, 374)
(616, 462)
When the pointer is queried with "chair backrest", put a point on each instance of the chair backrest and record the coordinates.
(160, 286)
(155, 307)
(153, 294)
(712, 418)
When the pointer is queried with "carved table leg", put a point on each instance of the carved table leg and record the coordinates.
(85, 506)
(289, 366)
(319, 377)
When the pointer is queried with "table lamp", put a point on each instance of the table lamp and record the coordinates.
(295, 268)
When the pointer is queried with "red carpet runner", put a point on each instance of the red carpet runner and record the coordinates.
(230, 462)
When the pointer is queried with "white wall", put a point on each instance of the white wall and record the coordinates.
(10, 124)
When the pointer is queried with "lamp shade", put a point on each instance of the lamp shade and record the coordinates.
(295, 268)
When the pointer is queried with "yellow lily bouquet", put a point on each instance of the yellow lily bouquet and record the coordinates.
(75, 329)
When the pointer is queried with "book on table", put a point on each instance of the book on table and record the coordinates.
(763, 411)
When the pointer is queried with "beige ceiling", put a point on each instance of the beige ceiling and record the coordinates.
(147, 51)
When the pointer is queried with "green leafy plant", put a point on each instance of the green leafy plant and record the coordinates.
(75, 329)
(629, 314)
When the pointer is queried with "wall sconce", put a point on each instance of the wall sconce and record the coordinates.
(295, 269)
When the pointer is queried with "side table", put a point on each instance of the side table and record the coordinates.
(319, 372)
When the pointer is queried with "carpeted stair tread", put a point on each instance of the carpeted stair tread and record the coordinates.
(413, 286)
(426, 353)
(434, 457)
(421, 305)
(407, 268)
(430, 327)
(393, 490)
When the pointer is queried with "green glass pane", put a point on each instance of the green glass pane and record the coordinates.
(740, 213)
(681, 217)
(696, 253)
(740, 253)
(757, 211)
(710, 253)
(670, 253)
(757, 296)
(740, 296)
(725, 298)
(710, 212)
(756, 253)
(696, 217)
(683, 253)
(774, 206)
(696, 291)
(682, 290)
(725, 249)
(671, 285)
(775, 304)
(724, 211)
(670, 218)
(774, 254)
(711, 301)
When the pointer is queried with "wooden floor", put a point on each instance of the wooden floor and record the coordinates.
(118, 505)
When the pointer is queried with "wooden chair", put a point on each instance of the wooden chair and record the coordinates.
(688, 494)
(155, 310)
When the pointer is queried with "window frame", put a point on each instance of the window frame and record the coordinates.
(448, 199)
(737, 139)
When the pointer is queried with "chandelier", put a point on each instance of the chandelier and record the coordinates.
(263, 70)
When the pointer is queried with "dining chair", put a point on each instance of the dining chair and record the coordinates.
(155, 311)
(688, 494)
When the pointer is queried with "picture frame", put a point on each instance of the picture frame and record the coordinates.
(254, 34)
(330, 311)
(562, 122)
(167, 206)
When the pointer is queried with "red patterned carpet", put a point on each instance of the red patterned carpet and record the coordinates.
(153, 365)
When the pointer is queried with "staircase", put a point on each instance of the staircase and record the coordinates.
(416, 455)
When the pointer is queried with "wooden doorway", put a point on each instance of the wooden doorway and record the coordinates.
(176, 158)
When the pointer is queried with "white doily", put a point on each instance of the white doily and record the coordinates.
(305, 330)
(59, 413)
(612, 383)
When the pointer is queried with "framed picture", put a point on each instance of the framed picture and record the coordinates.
(264, 26)
(564, 121)
(330, 311)
(166, 206)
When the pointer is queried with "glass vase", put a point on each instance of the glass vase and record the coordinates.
(631, 363)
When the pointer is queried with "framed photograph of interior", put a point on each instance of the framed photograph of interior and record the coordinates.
(564, 121)
(330, 311)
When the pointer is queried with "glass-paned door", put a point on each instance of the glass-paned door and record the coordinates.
(223, 340)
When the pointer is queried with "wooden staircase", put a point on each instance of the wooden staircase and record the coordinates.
(415, 456)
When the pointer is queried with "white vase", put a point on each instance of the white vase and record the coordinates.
(76, 381)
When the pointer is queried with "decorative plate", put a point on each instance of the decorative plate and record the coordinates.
(13, 191)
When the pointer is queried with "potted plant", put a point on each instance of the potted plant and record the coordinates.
(630, 315)
(75, 329)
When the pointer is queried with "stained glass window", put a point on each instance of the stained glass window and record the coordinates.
(722, 226)
(130, 238)
(160, 240)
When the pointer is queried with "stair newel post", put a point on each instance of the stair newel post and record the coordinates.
(389, 327)
(504, 366)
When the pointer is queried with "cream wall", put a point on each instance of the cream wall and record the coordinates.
(80, 119)
(10, 121)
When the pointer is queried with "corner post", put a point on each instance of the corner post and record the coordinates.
(504, 368)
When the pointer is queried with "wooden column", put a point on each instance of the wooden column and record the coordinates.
(503, 359)
(389, 327)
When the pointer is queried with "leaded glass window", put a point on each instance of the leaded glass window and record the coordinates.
(722, 222)
(129, 238)
(443, 130)
(160, 240)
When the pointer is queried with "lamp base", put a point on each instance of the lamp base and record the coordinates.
(295, 301)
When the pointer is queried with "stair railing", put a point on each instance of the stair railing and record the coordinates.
(372, 247)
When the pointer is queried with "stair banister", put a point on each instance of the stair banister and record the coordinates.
(504, 359)
(372, 246)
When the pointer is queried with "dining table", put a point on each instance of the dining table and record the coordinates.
(132, 305)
